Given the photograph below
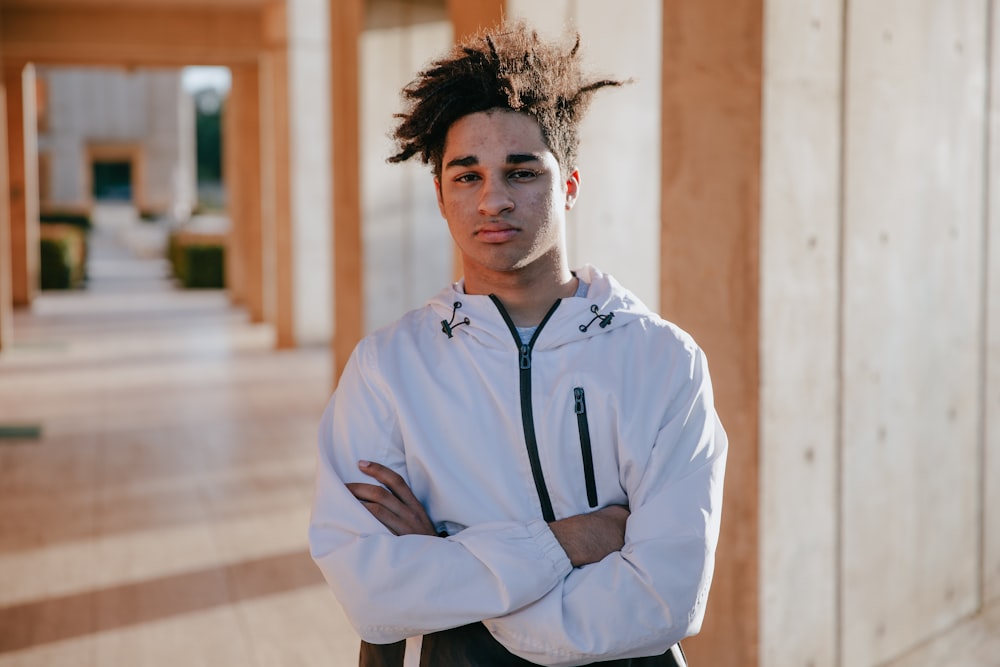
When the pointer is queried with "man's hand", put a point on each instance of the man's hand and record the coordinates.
(395, 506)
(588, 538)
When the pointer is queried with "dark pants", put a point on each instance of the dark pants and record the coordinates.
(474, 646)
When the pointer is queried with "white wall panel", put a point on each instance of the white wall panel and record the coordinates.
(912, 333)
(309, 131)
(991, 504)
(800, 225)
(408, 249)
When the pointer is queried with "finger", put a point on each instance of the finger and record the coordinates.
(391, 479)
(391, 511)
(383, 516)
(380, 502)
(374, 493)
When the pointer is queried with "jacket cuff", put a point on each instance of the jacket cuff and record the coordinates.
(550, 547)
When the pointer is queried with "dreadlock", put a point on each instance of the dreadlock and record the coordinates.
(507, 67)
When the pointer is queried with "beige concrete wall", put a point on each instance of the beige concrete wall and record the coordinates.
(147, 108)
(308, 61)
(991, 402)
(913, 230)
(407, 248)
(880, 341)
(800, 236)
(616, 222)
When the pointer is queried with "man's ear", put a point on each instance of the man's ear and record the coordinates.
(572, 187)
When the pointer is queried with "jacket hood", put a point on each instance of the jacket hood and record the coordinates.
(607, 306)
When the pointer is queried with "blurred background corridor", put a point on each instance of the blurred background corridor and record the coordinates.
(154, 503)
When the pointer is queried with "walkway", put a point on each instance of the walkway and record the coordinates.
(160, 517)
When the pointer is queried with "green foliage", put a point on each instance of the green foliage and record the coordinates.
(81, 220)
(197, 263)
(63, 253)
(205, 266)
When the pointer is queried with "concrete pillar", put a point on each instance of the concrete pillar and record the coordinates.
(346, 22)
(6, 306)
(236, 208)
(279, 285)
(22, 144)
(712, 53)
(309, 66)
(799, 333)
(245, 179)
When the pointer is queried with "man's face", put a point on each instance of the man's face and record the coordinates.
(504, 197)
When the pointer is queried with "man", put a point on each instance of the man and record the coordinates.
(528, 469)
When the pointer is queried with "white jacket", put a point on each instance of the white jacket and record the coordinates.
(442, 397)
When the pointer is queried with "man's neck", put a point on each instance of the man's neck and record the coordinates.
(527, 298)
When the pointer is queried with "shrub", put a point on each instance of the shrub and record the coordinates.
(63, 256)
(76, 219)
(197, 260)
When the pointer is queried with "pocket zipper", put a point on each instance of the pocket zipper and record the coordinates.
(580, 407)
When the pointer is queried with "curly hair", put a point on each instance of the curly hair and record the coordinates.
(507, 67)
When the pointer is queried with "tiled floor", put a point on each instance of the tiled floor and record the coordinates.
(160, 518)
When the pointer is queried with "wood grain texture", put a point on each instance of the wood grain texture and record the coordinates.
(346, 22)
(22, 279)
(246, 217)
(711, 135)
(6, 303)
(132, 36)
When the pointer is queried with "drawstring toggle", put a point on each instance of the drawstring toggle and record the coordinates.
(605, 319)
(449, 327)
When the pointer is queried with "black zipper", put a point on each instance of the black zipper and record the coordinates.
(527, 416)
(580, 408)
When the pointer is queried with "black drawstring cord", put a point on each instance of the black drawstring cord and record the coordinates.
(447, 326)
(605, 319)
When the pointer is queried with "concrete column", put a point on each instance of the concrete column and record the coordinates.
(799, 333)
(22, 145)
(279, 293)
(346, 22)
(712, 53)
(246, 177)
(309, 67)
(6, 306)
(236, 208)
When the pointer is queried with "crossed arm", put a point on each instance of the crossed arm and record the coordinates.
(586, 538)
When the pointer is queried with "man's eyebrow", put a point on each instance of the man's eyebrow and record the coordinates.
(513, 158)
(520, 158)
(466, 161)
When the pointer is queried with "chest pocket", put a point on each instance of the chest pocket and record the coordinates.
(586, 452)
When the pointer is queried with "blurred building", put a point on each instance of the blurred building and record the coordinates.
(115, 134)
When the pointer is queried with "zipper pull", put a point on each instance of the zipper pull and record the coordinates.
(525, 357)
(580, 406)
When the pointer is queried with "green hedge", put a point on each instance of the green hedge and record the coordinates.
(197, 263)
(81, 220)
(63, 254)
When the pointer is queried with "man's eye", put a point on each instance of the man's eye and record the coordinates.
(467, 178)
(523, 174)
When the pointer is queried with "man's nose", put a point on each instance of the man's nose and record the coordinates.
(495, 197)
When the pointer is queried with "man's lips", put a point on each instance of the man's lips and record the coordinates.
(496, 233)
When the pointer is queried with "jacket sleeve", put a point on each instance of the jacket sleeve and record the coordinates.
(652, 593)
(393, 587)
